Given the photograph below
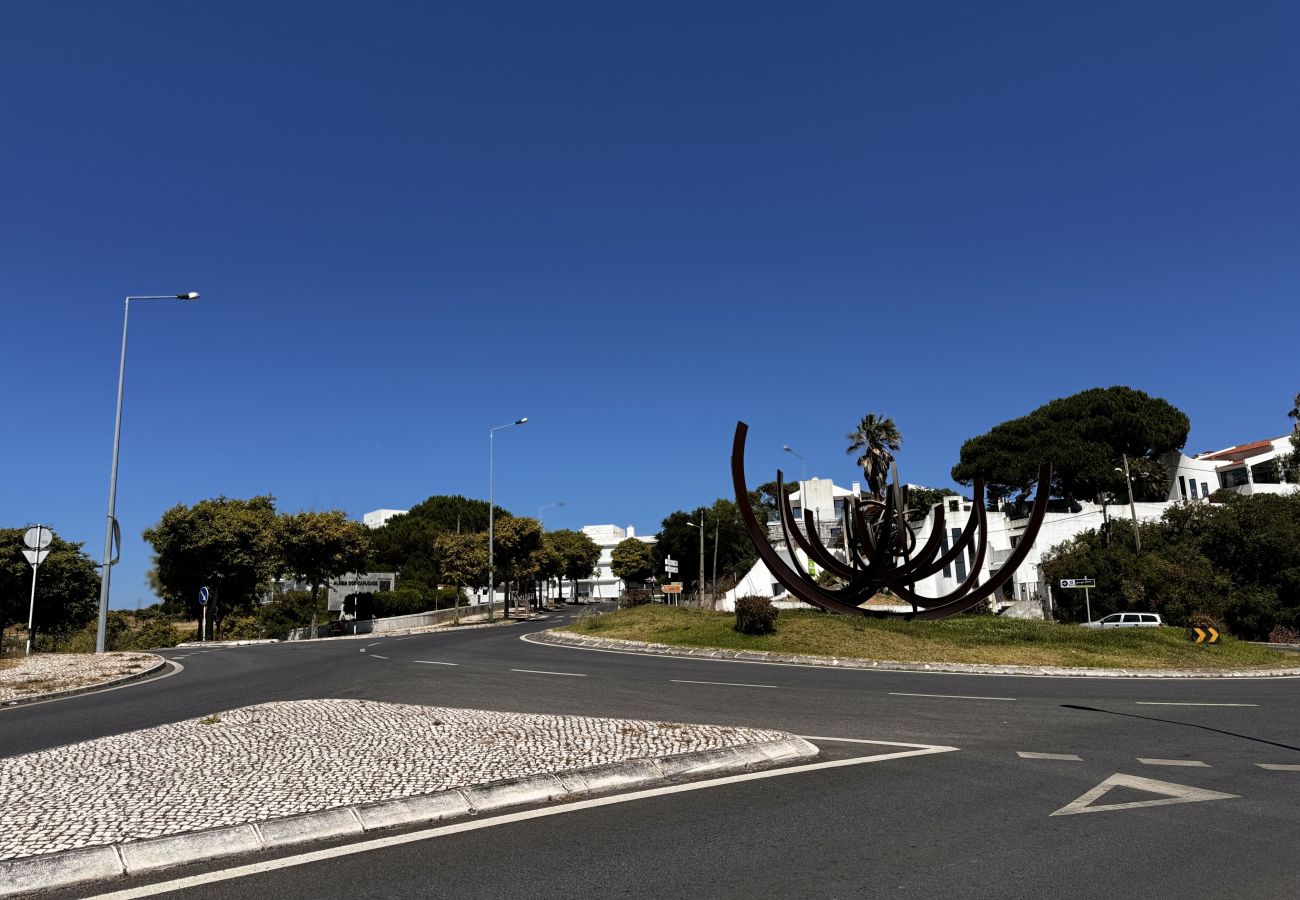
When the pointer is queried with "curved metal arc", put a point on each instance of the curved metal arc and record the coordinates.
(809, 593)
(791, 529)
(959, 546)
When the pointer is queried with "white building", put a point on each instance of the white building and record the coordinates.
(377, 518)
(603, 585)
(1252, 468)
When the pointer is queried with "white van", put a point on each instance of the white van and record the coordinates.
(1127, 620)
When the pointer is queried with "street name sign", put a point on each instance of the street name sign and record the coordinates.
(674, 588)
(1078, 582)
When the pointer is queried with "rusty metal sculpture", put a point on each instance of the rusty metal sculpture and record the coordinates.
(880, 548)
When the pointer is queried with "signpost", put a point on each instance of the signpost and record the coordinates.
(1084, 583)
(670, 568)
(1206, 635)
(203, 602)
(38, 540)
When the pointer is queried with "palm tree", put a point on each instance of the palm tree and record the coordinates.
(876, 440)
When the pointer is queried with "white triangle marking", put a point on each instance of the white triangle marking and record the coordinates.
(1172, 793)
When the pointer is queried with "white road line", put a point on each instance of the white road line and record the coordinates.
(722, 683)
(1171, 703)
(1192, 763)
(1279, 767)
(433, 662)
(1071, 757)
(474, 824)
(540, 672)
(948, 696)
(377, 656)
(375, 644)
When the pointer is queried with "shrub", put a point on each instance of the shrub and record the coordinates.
(399, 602)
(241, 628)
(1281, 634)
(635, 598)
(1204, 620)
(755, 615)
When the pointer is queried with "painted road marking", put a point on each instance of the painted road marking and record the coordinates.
(722, 683)
(948, 696)
(1279, 767)
(433, 662)
(1063, 756)
(540, 672)
(1172, 793)
(1170, 703)
(375, 644)
(1196, 763)
(377, 656)
(474, 824)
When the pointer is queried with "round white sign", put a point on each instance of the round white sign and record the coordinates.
(38, 537)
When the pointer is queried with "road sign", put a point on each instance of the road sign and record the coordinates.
(36, 557)
(670, 566)
(1078, 582)
(203, 596)
(38, 537)
(673, 588)
(1205, 635)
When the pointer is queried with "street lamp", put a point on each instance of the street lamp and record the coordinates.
(505, 610)
(106, 572)
(700, 526)
(803, 466)
(1132, 507)
(542, 527)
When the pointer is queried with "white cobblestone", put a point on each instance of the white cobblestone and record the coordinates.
(284, 759)
(42, 673)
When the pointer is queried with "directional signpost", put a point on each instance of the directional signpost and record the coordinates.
(38, 541)
(670, 567)
(203, 602)
(1206, 635)
(1084, 583)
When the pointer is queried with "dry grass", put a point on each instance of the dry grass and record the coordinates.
(964, 639)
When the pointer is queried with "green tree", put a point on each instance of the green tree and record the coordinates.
(405, 544)
(226, 544)
(764, 499)
(546, 564)
(67, 587)
(680, 540)
(314, 546)
(1083, 436)
(875, 440)
(516, 539)
(633, 561)
(1290, 462)
(580, 554)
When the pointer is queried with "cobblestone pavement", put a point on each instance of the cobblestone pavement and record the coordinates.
(282, 759)
(42, 673)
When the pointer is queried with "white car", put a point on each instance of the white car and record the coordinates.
(1127, 620)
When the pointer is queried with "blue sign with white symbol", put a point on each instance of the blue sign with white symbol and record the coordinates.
(203, 596)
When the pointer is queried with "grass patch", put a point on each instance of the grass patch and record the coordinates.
(964, 639)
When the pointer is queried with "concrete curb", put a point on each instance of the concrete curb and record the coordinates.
(564, 639)
(86, 689)
(446, 627)
(56, 870)
(205, 645)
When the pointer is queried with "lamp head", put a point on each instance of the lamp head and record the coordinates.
(521, 421)
(192, 295)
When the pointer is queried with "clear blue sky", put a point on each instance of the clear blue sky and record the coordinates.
(632, 222)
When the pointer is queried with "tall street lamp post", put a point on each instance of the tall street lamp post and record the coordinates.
(105, 575)
(542, 526)
(700, 526)
(505, 610)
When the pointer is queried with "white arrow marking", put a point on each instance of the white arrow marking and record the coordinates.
(1172, 793)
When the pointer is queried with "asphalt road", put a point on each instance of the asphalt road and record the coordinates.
(976, 822)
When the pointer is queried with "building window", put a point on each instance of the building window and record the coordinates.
(1233, 477)
(961, 569)
(1195, 496)
(1205, 490)
(954, 505)
(1182, 486)
(947, 570)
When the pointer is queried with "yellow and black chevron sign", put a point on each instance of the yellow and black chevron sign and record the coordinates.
(1205, 635)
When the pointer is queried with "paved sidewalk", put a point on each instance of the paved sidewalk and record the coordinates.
(49, 674)
(130, 802)
(567, 639)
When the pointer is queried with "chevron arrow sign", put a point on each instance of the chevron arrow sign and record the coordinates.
(1205, 635)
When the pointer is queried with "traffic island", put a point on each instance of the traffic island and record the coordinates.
(45, 676)
(277, 774)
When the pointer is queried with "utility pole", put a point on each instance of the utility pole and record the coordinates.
(701, 558)
(1132, 508)
(714, 585)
